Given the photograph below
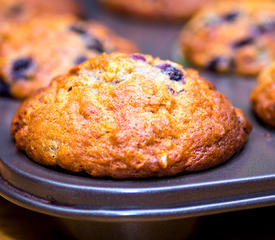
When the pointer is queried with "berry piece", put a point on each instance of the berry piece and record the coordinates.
(16, 10)
(230, 17)
(80, 60)
(90, 41)
(138, 57)
(78, 30)
(266, 27)
(243, 42)
(174, 73)
(93, 43)
(22, 68)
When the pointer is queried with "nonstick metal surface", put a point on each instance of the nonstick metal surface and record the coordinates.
(245, 181)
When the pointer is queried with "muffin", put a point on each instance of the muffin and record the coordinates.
(158, 9)
(48, 46)
(19, 11)
(263, 96)
(231, 36)
(129, 116)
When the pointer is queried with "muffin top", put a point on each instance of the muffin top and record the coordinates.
(232, 36)
(160, 10)
(263, 95)
(129, 116)
(47, 46)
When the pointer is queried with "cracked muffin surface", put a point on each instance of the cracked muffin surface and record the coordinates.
(129, 116)
(158, 9)
(263, 95)
(231, 36)
(47, 46)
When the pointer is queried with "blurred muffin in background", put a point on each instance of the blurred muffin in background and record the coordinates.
(231, 36)
(263, 96)
(157, 9)
(47, 46)
(21, 10)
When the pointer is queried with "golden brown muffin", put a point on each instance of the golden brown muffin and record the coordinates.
(231, 36)
(263, 96)
(129, 116)
(157, 9)
(48, 46)
(19, 11)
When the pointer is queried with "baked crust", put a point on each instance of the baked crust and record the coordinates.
(130, 116)
(47, 46)
(263, 95)
(231, 36)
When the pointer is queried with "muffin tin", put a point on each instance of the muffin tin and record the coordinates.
(245, 181)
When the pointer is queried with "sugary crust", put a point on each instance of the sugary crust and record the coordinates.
(231, 36)
(161, 9)
(123, 117)
(263, 96)
(53, 47)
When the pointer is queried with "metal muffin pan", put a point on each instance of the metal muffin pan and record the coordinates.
(246, 181)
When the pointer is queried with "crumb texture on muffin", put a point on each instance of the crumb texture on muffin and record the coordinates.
(263, 95)
(231, 36)
(130, 116)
